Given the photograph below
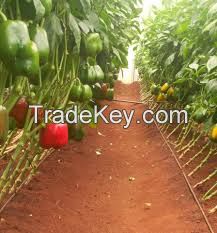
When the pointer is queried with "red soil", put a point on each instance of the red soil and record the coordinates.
(134, 186)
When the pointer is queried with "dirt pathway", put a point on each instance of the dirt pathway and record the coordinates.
(134, 186)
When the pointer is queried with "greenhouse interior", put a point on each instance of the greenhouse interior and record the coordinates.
(108, 116)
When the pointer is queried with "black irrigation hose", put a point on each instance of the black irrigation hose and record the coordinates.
(186, 180)
(177, 161)
(179, 165)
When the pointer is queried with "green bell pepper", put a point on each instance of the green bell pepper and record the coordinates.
(27, 62)
(17, 51)
(76, 91)
(39, 36)
(93, 44)
(14, 37)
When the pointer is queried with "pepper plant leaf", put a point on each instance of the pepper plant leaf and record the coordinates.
(170, 59)
(73, 25)
(212, 63)
(39, 9)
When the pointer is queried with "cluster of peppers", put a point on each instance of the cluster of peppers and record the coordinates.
(24, 49)
(91, 73)
(43, 62)
(199, 114)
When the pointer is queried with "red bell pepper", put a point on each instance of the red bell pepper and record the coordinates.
(19, 112)
(54, 136)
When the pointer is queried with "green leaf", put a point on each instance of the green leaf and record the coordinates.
(194, 66)
(212, 63)
(170, 59)
(210, 26)
(73, 25)
(54, 30)
(211, 87)
(94, 20)
(117, 54)
(106, 41)
(84, 26)
(208, 124)
(213, 10)
(86, 5)
(39, 9)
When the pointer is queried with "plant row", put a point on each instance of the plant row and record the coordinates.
(55, 53)
(177, 62)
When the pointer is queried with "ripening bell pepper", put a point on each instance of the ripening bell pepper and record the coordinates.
(19, 112)
(54, 136)
(17, 51)
(213, 133)
(39, 36)
(161, 97)
(4, 123)
(165, 88)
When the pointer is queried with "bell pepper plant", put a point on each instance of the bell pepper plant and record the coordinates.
(53, 53)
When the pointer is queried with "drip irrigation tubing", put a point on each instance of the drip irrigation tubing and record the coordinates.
(177, 162)
(186, 179)
(176, 159)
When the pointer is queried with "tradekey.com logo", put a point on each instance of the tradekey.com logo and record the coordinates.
(123, 117)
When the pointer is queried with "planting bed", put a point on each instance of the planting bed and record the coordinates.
(134, 185)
